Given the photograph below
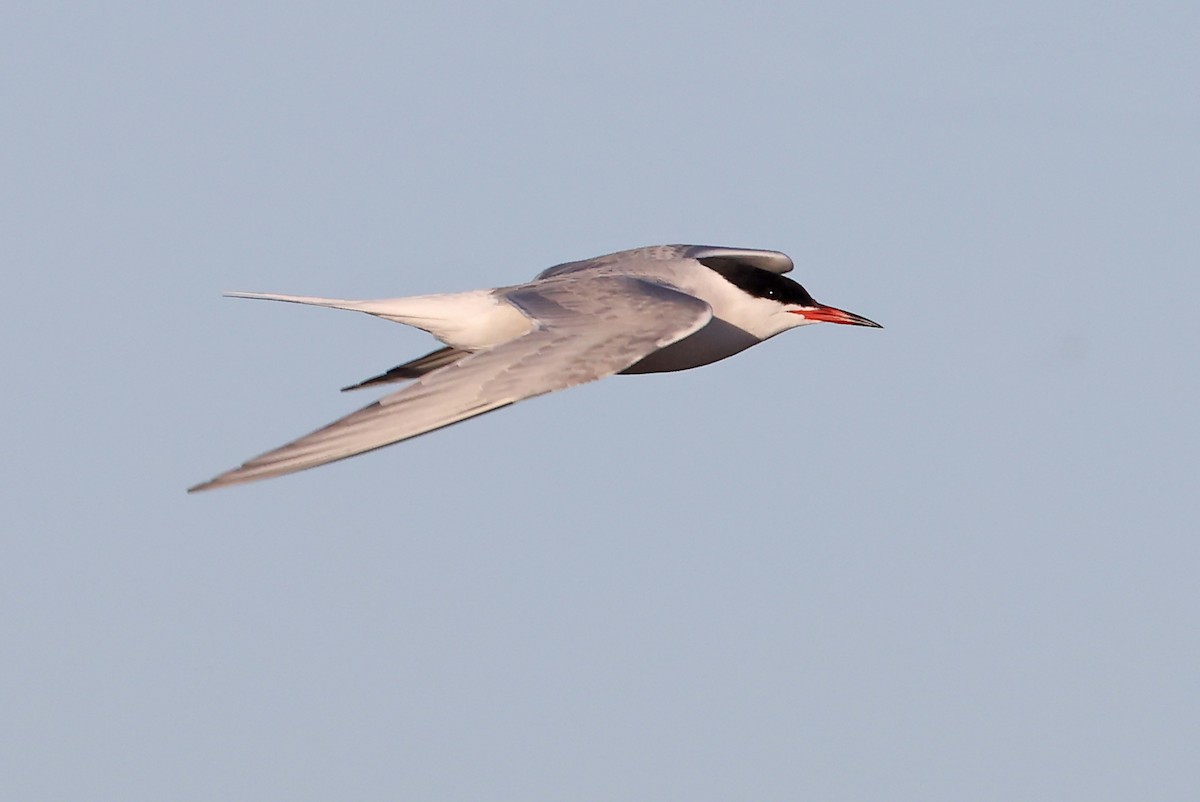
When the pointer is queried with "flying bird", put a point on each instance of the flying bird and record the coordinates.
(648, 310)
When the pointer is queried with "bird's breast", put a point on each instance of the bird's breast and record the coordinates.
(714, 342)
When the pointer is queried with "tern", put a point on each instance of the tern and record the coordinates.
(647, 310)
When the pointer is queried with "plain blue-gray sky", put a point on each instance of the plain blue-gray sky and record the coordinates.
(952, 559)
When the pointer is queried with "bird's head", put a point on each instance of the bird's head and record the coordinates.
(777, 303)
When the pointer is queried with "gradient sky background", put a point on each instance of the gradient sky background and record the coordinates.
(954, 559)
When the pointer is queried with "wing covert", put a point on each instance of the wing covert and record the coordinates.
(772, 261)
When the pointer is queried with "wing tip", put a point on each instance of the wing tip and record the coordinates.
(211, 484)
(237, 476)
(394, 375)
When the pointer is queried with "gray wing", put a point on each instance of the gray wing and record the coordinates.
(588, 328)
(774, 261)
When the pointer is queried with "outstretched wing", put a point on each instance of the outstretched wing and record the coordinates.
(587, 328)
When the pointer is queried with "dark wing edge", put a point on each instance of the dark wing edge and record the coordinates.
(414, 369)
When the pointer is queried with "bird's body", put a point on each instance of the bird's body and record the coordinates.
(656, 309)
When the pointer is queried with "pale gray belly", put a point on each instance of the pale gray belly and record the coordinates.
(714, 342)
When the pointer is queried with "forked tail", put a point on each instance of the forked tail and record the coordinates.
(466, 321)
